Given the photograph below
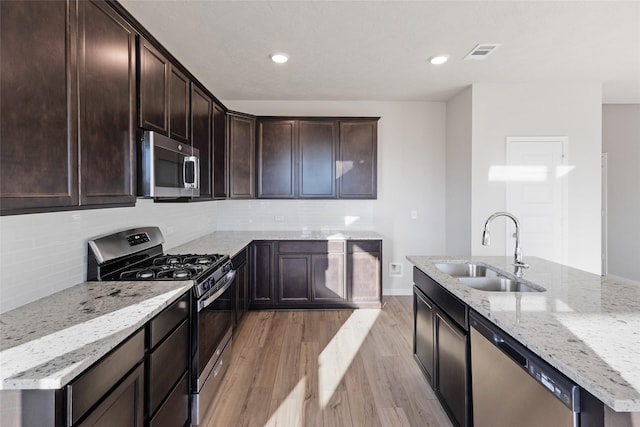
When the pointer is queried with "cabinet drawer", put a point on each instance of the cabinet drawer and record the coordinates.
(175, 410)
(91, 386)
(448, 303)
(166, 321)
(166, 365)
(364, 246)
(315, 247)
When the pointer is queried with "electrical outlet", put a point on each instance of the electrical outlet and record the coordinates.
(278, 218)
(414, 214)
(170, 230)
(395, 269)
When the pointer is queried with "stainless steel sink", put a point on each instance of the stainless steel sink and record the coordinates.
(498, 284)
(466, 270)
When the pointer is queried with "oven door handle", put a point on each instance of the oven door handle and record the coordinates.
(229, 278)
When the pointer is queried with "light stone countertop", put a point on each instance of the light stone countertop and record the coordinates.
(47, 343)
(584, 325)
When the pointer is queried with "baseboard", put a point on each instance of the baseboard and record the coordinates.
(397, 292)
(612, 277)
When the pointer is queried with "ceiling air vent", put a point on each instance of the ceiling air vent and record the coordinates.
(481, 51)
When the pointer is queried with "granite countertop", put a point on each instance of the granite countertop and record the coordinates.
(584, 325)
(47, 343)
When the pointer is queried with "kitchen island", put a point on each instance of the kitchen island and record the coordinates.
(584, 325)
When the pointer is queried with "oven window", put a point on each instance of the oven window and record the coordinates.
(214, 321)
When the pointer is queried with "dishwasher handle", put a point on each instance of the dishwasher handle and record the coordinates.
(507, 349)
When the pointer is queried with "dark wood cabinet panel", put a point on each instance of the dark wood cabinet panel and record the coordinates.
(451, 368)
(423, 327)
(262, 273)
(327, 277)
(153, 110)
(242, 152)
(317, 141)
(123, 406)
(358, 159)
(201, 137)
(276, 159)
(219, 153)
(364, 272)
(294, 278)
(107, 106)
(38, 153)
(239, 262)
(179, 88)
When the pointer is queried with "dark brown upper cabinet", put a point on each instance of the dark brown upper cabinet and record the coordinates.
(179, 87)
(38, 153)
(277, 158)
(219, 153)
(357, 159)
(164, 95)
(201, 137)
(154, 82)
(242, 151)
(317, 147)
(67, 106)
(107, 105)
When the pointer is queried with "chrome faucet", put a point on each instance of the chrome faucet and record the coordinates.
(486, 240)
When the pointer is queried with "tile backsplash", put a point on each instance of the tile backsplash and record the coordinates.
(41, 254)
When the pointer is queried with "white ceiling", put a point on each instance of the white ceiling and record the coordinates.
(378, 50)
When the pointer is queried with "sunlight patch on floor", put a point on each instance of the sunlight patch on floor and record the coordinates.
(290, 411)
(337, 356)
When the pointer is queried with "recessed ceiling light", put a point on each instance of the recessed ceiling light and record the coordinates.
(439, 59)
(279, 58)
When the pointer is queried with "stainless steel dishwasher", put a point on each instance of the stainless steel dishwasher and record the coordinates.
(511, 386)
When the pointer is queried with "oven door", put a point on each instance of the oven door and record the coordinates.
(215, 313)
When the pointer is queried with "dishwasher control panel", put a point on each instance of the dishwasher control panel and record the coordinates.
(563, 390)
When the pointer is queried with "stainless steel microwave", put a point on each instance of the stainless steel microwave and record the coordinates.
(168, 168)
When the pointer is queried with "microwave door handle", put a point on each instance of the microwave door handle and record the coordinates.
(196, 173)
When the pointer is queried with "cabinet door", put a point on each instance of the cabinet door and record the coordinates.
(364, 272)
(358, 159)
(154, 81)
(294, 278)
(242, 281)
(276, 159)
(451, 368)
(423, 343)
(38, 153)
(107, 106)
(123, 406)
(201, 137)
(219, 153)
(179, 88)
(262, 272)
(317, 141)
(327, 277)
(242, 151)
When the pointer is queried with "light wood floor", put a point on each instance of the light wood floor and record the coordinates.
(326, 368)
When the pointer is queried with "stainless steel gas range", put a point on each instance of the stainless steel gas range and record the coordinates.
(137, 254)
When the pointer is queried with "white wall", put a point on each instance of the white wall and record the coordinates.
(575, 111)
(458, 173)
(411, 175)
(41, 254)
(621, 142)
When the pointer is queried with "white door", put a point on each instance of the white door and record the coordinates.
(536, 194)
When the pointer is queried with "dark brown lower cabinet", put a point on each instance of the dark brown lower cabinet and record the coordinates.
(239, 262)
(316, 274)
(364, 272)
(441, 346)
